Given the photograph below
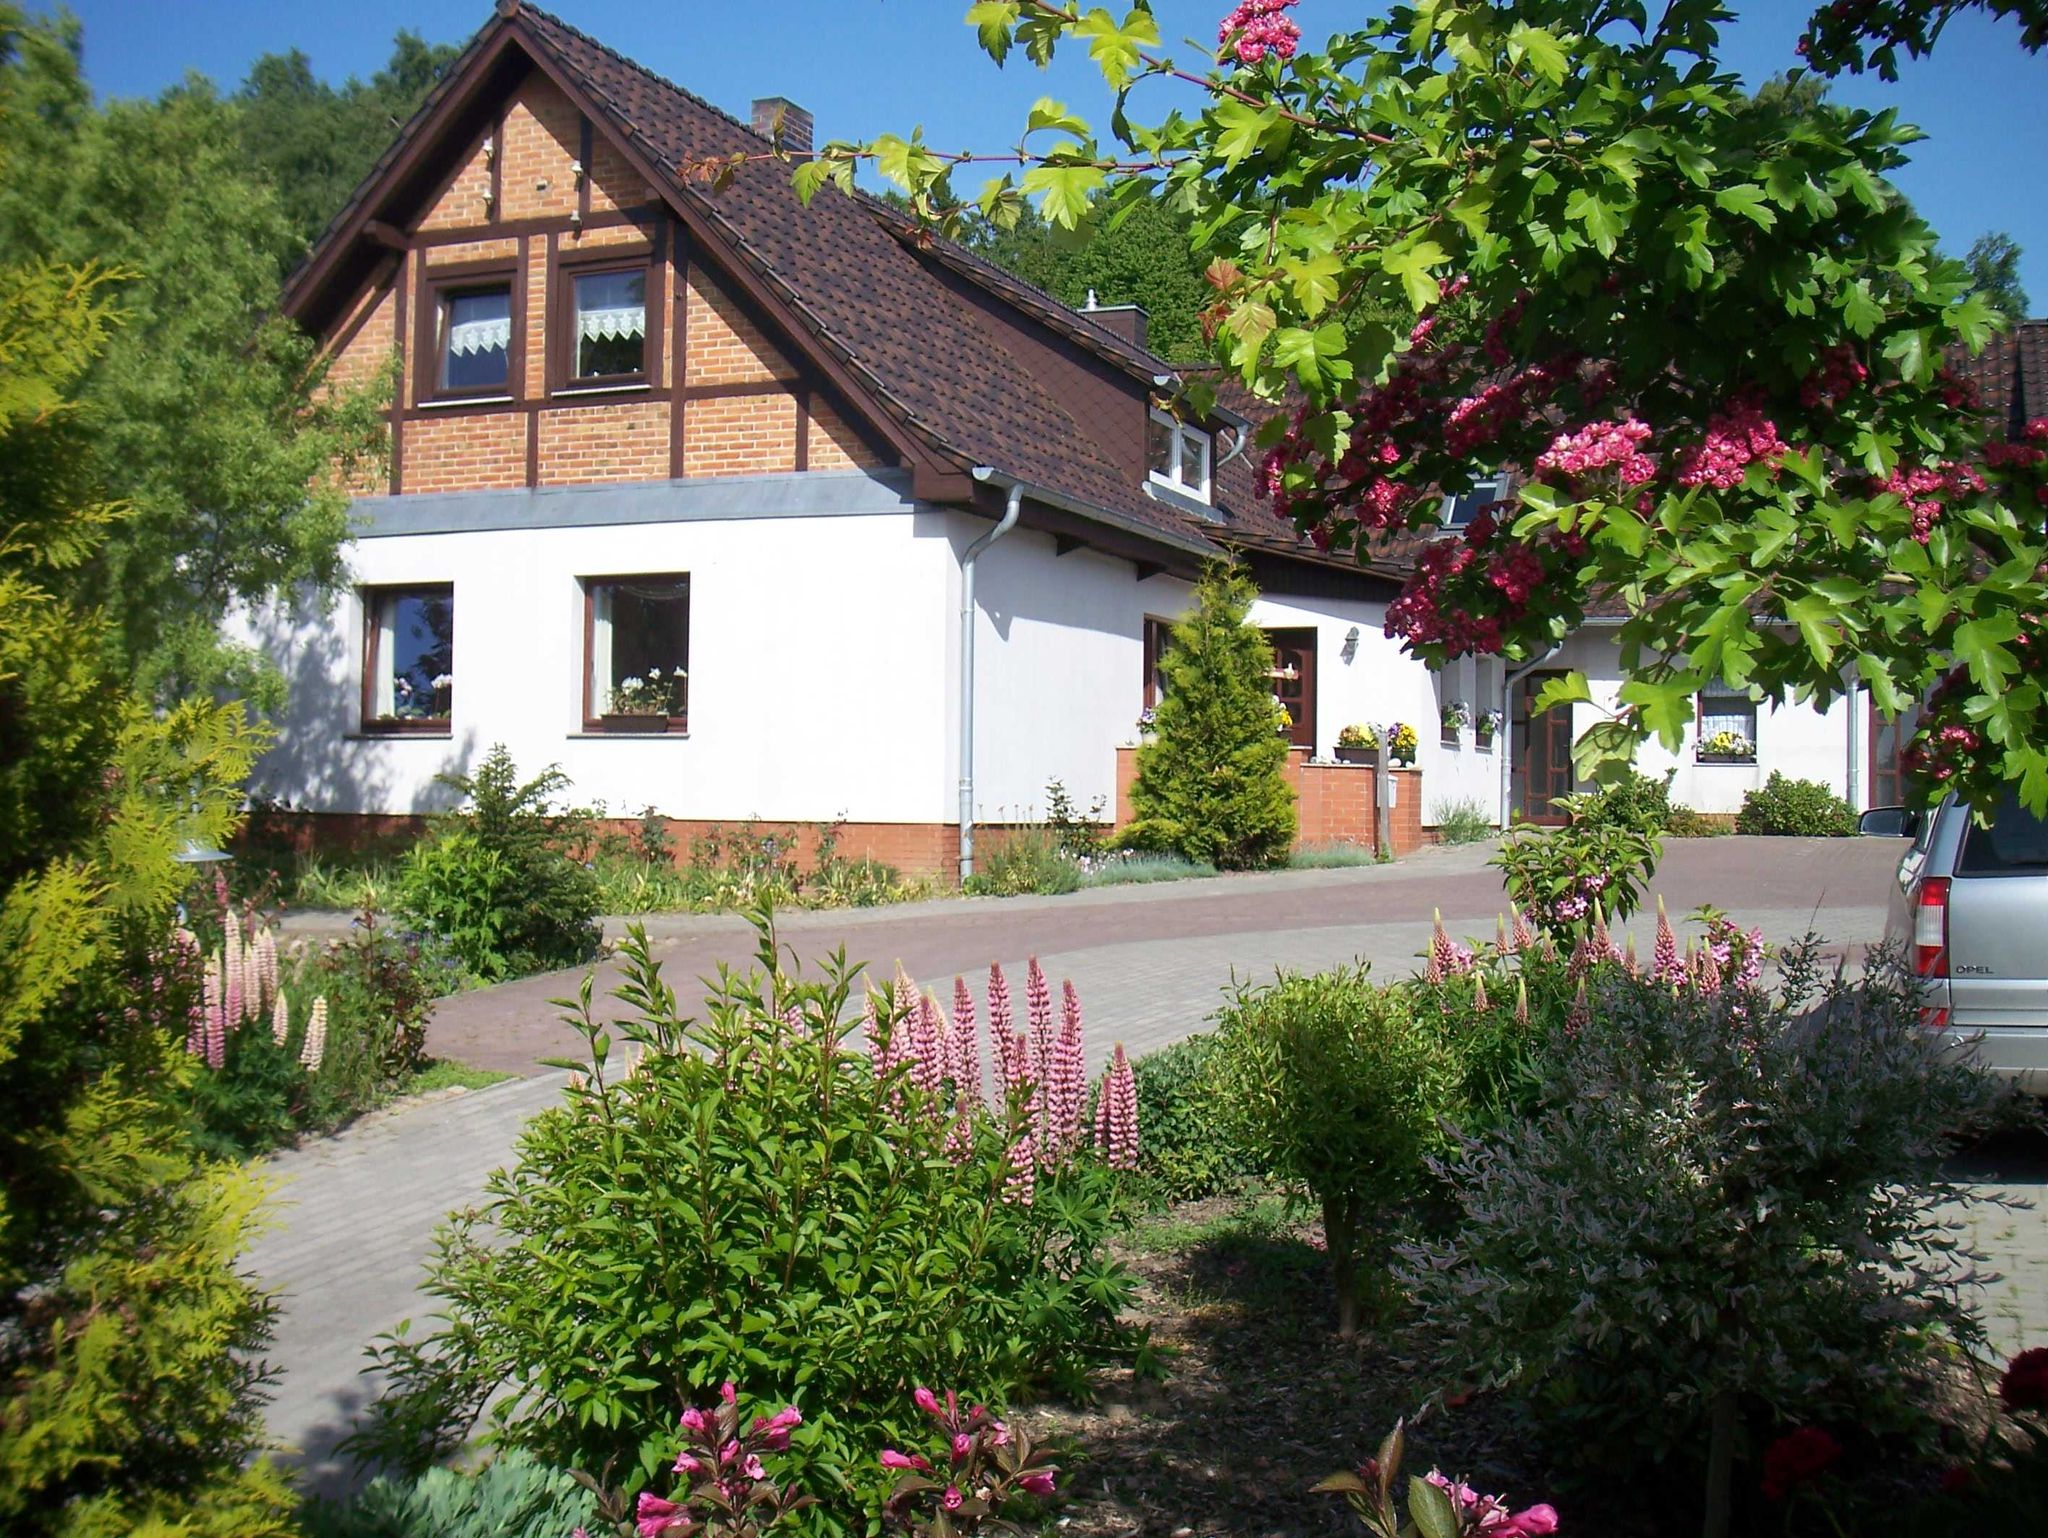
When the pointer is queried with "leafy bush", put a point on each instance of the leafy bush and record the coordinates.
(1186, 1150)
(497, 883)
(1079, 834)
(1684, 822)
(1338, 1086)
(755, 1196)
(1638, 801)
(1211, 782)
(1023, 861)
(1796, 808)
(512, 1496)
(1559, 876)
(1463, 821)
(1729, 1200)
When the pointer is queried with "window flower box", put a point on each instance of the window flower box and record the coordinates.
(628, 723)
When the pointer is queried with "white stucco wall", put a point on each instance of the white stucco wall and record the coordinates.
(821, 660)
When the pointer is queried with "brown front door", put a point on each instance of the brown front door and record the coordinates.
(1294, 682)
(1888, 740)
(1546, 755)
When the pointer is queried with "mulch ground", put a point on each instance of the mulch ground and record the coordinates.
(1260, 1399)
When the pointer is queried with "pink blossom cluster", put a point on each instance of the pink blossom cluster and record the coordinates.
(1600, 446)
(1923, 487)
(1737, 437)
(1447, 958)
(1840, 372)
(1259, 27)
(1116, 1114)
(1488, 1514)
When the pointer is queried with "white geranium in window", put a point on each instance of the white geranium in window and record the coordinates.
(1178, 455)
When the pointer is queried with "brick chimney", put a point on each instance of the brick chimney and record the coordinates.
(1126, 320)
(782, 120)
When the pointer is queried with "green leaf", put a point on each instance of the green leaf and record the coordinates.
(1430, 1509)
(1545, 54)
(1114, 45)
(992, 21)
(1314, 280)
(1064, 191)
(1411, 263)
(1569, 689)
(1860, 310)
(1750, 202)
(1047, 113)
(1604, 223)
(1815, 618)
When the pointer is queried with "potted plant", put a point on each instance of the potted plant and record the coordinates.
(1456, 716)
(1486, 727)
(645, 703)
(1358, 744)
(1727, 747)
(1401, 743)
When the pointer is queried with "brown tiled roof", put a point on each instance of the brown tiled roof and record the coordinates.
(2011, 375)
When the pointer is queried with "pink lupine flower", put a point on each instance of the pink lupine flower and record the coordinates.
(1432, 969)
(1664, 962)
(655, 1516)
(215, 997)
(1581, 1013)
(281, 1021)
(1628, 958)
(1038, 1003)
(927, 1070)
(1480, 1002)
(1523, 937)
(1582, 957)
(1116, 1114)
(232, 974)
(1706, 973)
(966, 1071)
(1521, 1002)
(1020, 1185)
(315, 1047)
(1450, 957)
(1017, 1071)
(960, 1140)
(1603, 942)
(871, 1034)
(1000, 1020)
(266, 958)
(1067, 1082)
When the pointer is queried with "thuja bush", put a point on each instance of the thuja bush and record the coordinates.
(1799, 808)
(760, 1193)
(1340, 1087)
(1211, 783)
(1730, 1204)
(499, 883)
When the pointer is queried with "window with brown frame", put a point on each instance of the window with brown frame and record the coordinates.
(408, 658)
(636, 653)
(601, 332)
(1158, 640)
(475, 337)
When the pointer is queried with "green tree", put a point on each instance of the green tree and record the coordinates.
(206, 415)
(127, 1389)
(1706, 321)
(1869, 36)
(1212, 781)
(1994, 263)
(316, 141)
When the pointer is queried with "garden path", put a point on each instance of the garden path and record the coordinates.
(356, 1213)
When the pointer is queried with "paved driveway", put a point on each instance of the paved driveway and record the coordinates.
(356, 1212)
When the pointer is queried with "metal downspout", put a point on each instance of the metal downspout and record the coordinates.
(1507, 731)
(1011, 508)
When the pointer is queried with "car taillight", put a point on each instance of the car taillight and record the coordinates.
(1930, 927)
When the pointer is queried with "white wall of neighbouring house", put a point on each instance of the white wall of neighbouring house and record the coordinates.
(1797, 740)
(821, 666)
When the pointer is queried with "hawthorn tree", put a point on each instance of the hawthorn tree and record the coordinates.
(1856, 35)
(1560, 235)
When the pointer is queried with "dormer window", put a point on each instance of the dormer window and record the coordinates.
(1461, 509)
(607, 341)
(1178, 455)
(474, 339)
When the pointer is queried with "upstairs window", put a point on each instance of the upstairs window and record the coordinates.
(637, 646)
(1460, 510)
(608, 327)
(1178, 455)
(408, 658)
(474, 339)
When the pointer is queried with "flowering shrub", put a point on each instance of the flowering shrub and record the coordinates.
(1729, 1197)
(827, 1202)
(1438, 1507)
(1595, 863)
(1338, 1086)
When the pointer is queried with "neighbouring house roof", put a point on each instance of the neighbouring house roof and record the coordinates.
(2011, 375)
(901, 313)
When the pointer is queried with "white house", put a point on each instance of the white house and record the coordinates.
(737, 509)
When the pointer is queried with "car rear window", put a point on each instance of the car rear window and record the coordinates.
(2016, 843)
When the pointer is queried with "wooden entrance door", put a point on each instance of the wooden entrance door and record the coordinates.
(1546, 752)
(1294, 682)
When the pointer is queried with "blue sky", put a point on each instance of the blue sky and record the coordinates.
(868, 66)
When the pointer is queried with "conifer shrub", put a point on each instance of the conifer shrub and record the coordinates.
(761, 1194)
(1211, 783)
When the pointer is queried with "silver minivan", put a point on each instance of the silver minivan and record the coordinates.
(1970, 911)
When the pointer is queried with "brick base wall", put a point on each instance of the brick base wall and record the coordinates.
(924, 849)
(1333, 803)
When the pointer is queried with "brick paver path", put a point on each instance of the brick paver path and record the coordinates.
(356, 1212)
